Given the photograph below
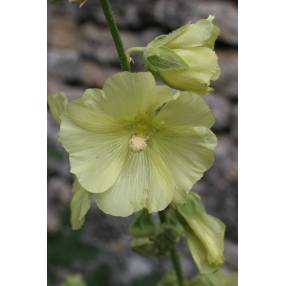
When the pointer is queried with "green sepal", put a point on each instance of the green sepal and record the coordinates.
(215, 279)
(74, 280)
(164, 59)
(57, 104)
(143, 225)
(80, 205)
(205, 234)
(151, 239)
(158, 244)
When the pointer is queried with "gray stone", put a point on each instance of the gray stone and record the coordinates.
(59, 195)
(234, 125)
(127, 14)
(63, 33)
(137, 266)
(94, 75)
(98, 44)
(221, 109)
(226, 85)
(71, 92)
(231, 253)
(64, 65)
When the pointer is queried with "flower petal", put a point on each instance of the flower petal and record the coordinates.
(86, 112)
(186, 109)
(129, 94)
(203, 67)
(187, 151)
(145, 182)
(96, 158)
(201, 33)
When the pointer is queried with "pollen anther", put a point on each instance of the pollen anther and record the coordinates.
(138, 143)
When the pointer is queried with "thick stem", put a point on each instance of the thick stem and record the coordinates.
(175, 257)
(124, 61)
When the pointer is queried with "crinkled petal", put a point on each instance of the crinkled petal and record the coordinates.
(129, 94)
(144, 182)
(188, 152)
(96, 158)
(186, 109)
(203, 67)
(86, 112)
(95, 142)
(201, 33)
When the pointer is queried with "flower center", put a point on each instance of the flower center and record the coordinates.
(138, 143)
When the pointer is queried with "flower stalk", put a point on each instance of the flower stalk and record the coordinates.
(174, 255)
(106, 7)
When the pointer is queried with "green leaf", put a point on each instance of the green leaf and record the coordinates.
(74, 280)
(215, 279)
(165, 59)
(80, 204)
(205, 234)
(57, 104)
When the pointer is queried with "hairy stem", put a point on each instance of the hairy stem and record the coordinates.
(124, 61)
(175, 257)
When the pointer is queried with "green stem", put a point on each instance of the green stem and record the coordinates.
(175, 257)
(124, 61)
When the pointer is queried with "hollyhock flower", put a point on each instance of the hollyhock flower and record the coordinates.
(135, 144)
(185, 58)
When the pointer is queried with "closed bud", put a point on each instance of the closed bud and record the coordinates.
(205, 234)
(185, 58)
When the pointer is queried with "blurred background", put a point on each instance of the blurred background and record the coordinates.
(81, 55)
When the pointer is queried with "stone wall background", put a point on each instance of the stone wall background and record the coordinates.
(81, 54)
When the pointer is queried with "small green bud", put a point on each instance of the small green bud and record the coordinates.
(205, 234)
(185, 58)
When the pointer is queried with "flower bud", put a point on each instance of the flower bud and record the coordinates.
(205, 234)
(185, 58)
